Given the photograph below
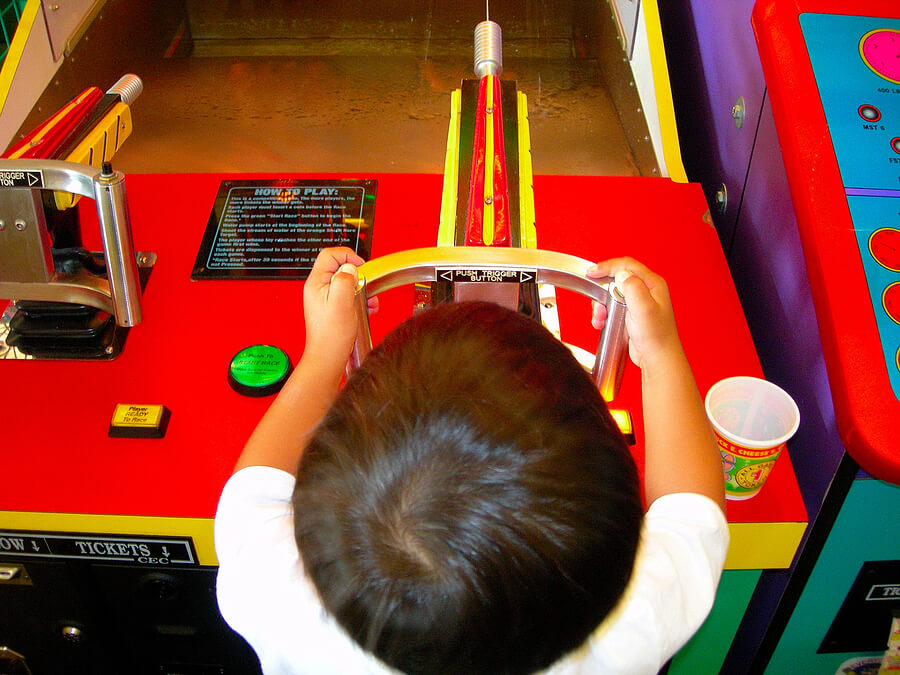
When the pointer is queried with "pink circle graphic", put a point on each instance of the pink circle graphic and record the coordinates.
(880, 49)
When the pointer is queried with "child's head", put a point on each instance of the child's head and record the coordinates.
(468, 504)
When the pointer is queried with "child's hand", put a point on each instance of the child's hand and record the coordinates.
(328, 303)
(650, 320)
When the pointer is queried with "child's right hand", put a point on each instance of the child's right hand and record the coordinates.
(329, 304)
(650, 320)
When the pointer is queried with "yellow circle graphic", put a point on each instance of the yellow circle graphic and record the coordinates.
(751, 477)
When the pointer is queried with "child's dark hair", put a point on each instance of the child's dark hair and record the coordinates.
(468, 504)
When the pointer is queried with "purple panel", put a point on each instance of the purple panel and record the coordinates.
(770, 274)
(713, 62)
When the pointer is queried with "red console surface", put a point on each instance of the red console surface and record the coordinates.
(832, 73)
(58, 457)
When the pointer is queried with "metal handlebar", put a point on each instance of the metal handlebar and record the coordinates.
(121, 296)
(512, 264)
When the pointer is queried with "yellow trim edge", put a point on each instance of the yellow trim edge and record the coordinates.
(200, 530)
(663, 88)
(16, 49)
(446, 230)
(527, 226)
(757, 546)
(753, 545)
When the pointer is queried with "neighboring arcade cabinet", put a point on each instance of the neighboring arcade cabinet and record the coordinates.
(79, 596)
(841, 67)
(728, 133)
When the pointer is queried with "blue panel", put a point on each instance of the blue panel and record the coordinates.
(865, 530)
(854, 61)
(880, 214)
(862, 145)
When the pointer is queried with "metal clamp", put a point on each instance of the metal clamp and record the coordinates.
(120, 293)
(560, 269)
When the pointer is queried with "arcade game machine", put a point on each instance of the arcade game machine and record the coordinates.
(145, 332)
(786, 226)
(841, 66)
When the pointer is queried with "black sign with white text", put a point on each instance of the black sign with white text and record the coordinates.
(15, 178)
(122, 549)
(274, 229)
(863, 622)
(484, 274)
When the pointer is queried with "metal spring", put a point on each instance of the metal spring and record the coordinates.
(488, 49)
(129, 87)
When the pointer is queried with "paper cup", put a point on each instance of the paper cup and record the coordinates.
(753, 419)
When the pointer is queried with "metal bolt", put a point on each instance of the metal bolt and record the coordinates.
(2, 225)
(737, 112)
(721, 198)
(489, 199)
(20, 225)
(489, 110)
(72, 634)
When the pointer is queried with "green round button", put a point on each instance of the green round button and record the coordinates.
(259, 370)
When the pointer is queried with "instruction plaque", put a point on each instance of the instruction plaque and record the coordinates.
(274, 229)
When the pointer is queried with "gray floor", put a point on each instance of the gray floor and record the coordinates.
(350, 86)
(285, 85)
(352, 113)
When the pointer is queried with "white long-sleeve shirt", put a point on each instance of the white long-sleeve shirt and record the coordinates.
(265, 595)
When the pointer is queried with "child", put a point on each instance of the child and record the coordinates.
(465, 504)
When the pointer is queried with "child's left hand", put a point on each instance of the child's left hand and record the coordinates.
(328, 303)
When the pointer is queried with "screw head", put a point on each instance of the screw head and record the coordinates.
(721, 198)
(72, 633)
(738, 110)
(20, 225)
